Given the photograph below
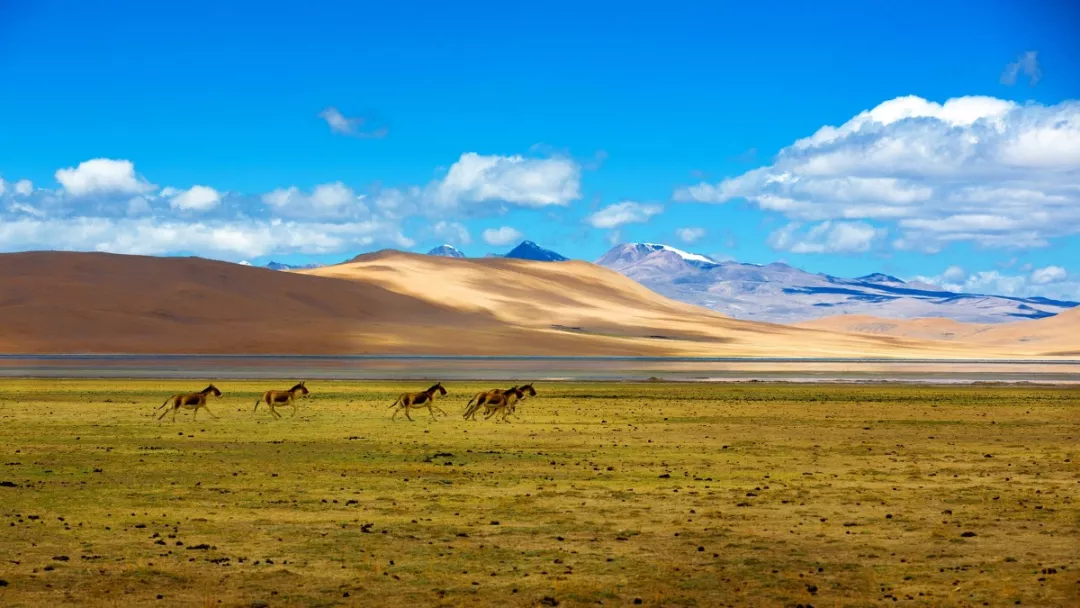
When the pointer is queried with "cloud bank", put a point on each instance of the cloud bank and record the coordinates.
(104, 204)
(973, 169)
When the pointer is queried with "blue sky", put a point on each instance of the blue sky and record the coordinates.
(247, 131)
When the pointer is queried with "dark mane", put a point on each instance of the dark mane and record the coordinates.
(436, 387)
(298, 386)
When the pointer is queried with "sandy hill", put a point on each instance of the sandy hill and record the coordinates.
(935, 328)
(387, 302)
(1058, 335)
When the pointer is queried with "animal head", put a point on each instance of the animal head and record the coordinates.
(516, 392)
(212, 389)
(439, 387)
(299, 387)
(528, 389)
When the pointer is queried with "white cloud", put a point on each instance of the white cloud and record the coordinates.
(197, 198)
(626, 212)
(1050, 274)
(23, 187)
(3, 186)
(102, 176)
(23, 208)
(826, 237)
(528, 182)
(1049, 282)
(975, 169)
(325, 200)
(1026, 64)
(954, 274)
(453, 233)
(690, 234)
(339, 123)
(226, 240)
(103, 204)
(138, 206)
(501, 236)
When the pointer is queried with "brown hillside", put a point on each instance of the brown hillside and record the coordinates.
(1050, 337)
(389, 302)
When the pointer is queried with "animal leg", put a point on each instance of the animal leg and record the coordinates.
(195, 416)
(407, 414)
(293, 408)
(209, 412)
(273, 410)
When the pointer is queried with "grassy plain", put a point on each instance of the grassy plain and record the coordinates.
(613, 494)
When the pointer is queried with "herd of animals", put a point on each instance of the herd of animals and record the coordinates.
(501, 402)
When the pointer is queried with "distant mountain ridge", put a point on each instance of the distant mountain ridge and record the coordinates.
(446, 251)
(780, 293)
(529, 250)
(279, 266)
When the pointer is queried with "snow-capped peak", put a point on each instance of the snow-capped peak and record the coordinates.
(689, 257)
(446, 251)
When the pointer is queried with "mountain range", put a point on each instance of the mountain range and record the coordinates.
(393, 302)
(446, 251)
(279, 266)
(780, 293)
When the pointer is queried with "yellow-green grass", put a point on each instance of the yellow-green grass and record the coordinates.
(671, 494)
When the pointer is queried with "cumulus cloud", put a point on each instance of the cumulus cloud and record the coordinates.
(103, 176)
(501, 236)
(826, 237)
(954, 274)
(228, 240)
(197, 198)
(106, 205)
(974, 169)
(1026, 64)
(526, 182)
(1050, 282)
(690, 234)
(344, 125)
(1050, 274)
(626, 212)
(325, 200)
(454, 233)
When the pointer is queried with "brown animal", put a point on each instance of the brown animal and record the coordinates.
(190, 401)
(275, 398)
(481, 399)
(503, 402)
(418, 401)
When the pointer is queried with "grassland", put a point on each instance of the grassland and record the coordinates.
(613, 494)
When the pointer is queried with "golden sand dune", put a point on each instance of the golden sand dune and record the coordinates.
(919, 329)
(1058, 335)
(386, 303)
(556, 299)
(1053, 336)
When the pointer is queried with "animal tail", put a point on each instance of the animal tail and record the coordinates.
(396, 402)
(257, 402)
(164, 404)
